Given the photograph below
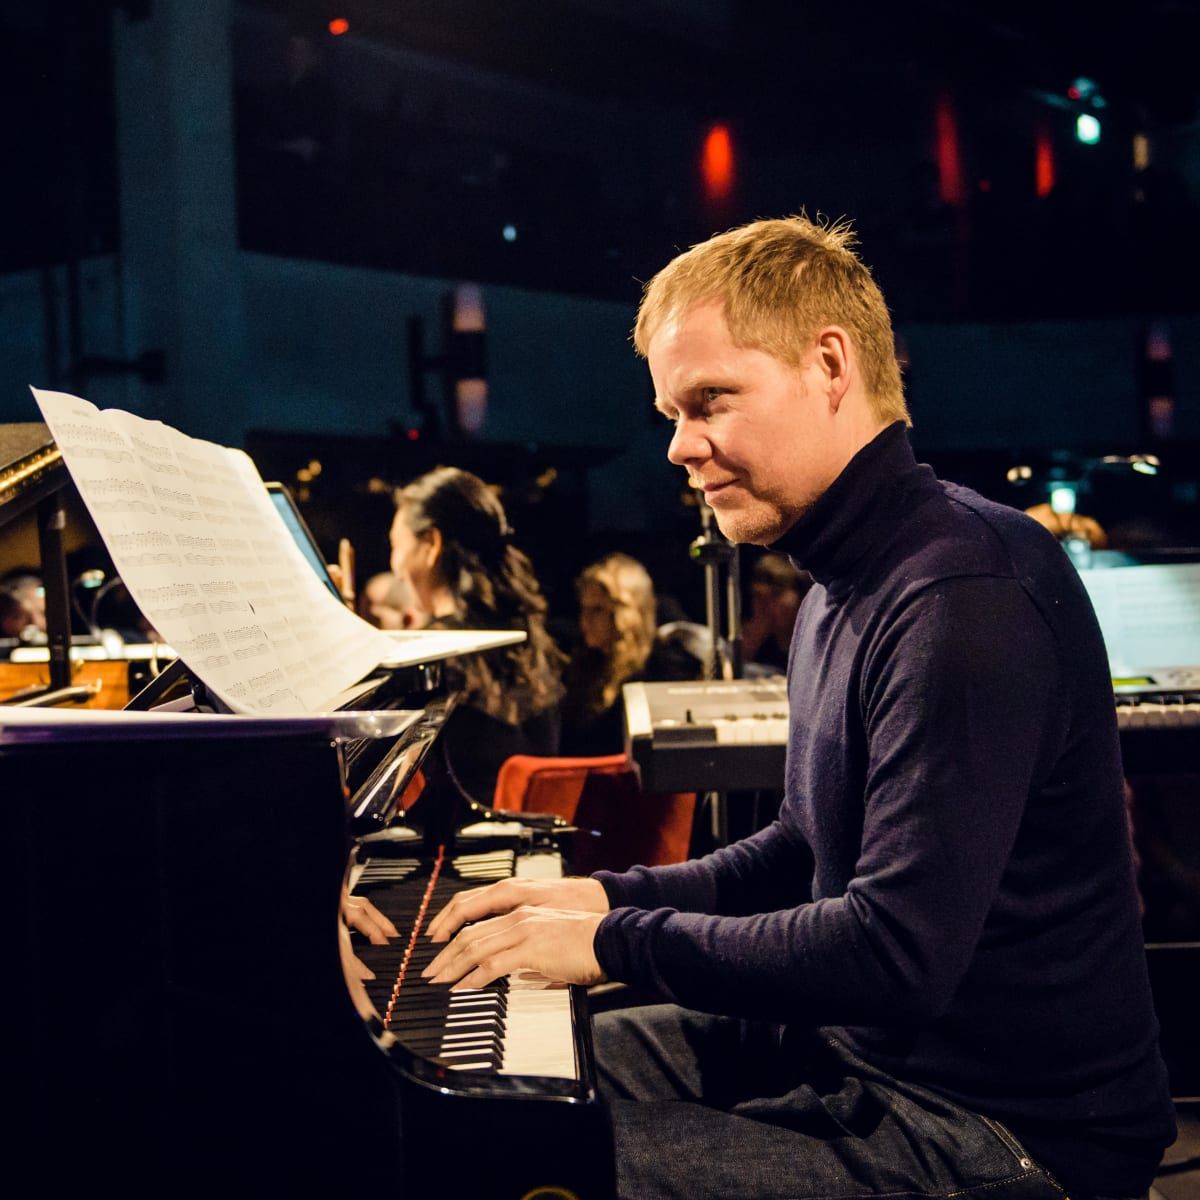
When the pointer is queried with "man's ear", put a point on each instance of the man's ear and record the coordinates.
(837, 362)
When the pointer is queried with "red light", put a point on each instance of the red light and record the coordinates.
(716, 163)
(949, 156)
(414, 435)
(1043, 162)
(338, 26)
(1073, 93)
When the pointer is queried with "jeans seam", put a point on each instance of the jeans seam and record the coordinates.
(995, 1183)
(1008, 1139)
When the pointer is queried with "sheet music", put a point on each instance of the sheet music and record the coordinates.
(196, 540)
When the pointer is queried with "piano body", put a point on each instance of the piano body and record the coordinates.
(177, 1016)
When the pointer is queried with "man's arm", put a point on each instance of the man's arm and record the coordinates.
(534, 923)
(959, 722)
(768, 870)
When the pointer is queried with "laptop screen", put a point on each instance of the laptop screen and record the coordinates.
(285, 506)
(1149, 612)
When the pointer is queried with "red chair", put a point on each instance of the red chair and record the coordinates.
(602, 795)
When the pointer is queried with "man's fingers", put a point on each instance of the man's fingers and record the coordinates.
(471, 905)
(475, 961)
(447, 959)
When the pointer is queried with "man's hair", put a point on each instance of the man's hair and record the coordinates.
(780, 281)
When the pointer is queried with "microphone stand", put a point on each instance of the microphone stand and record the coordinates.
(715, 553)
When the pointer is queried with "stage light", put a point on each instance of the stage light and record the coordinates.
(1087, 129)
(716, 163)
(509, 233)
(1062, 498)
(1043, 162)
(948, 151)
(338, 26)
(1141, 151)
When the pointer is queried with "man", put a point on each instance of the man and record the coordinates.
(927, 976)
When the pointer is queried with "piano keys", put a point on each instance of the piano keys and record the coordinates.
(521, 1025)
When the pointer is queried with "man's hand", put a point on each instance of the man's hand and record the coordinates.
(578, 895)
(359, 913)
(554, 941)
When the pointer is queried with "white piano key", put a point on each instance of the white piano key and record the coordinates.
(538, 1037)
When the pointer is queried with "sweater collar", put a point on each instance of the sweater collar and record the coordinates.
(856, 510)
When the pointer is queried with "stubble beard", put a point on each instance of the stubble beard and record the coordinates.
(762, 524)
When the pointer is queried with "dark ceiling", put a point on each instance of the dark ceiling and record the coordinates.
(835, 60)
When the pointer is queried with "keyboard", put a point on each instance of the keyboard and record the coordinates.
(518, 1025)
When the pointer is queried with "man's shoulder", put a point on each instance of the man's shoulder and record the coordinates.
(959, 532)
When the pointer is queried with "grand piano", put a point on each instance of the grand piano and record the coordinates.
(177, 1015)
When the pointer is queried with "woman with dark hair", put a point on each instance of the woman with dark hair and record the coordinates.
(453, 546)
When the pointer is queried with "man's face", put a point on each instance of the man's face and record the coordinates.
(751, 430)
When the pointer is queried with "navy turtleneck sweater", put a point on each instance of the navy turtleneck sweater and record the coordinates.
(949, 885)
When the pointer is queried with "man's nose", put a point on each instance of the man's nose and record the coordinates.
(688, 444)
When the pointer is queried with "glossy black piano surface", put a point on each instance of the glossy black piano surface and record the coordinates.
(176, 1017)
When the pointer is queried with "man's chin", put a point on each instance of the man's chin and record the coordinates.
(748, 529)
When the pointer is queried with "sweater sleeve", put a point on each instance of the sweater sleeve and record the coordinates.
(770, 869)
(957, 703)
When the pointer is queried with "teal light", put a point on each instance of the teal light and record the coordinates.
(1087, 129)
(1062, 498)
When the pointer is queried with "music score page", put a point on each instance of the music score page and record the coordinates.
(195, 538)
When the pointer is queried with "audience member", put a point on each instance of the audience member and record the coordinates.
(776, 588)
(617, 608)
(452, 546)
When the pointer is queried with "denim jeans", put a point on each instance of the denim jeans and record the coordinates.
(706, 1106)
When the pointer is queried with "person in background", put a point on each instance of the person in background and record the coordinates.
(1069, 525)
(618, 644)
(454, 550)
(15, 616)
(777, 586)
(388, 603)
(25, 605)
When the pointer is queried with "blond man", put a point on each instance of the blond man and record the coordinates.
(926, 977)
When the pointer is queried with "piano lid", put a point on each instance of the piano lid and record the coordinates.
(31, 467)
